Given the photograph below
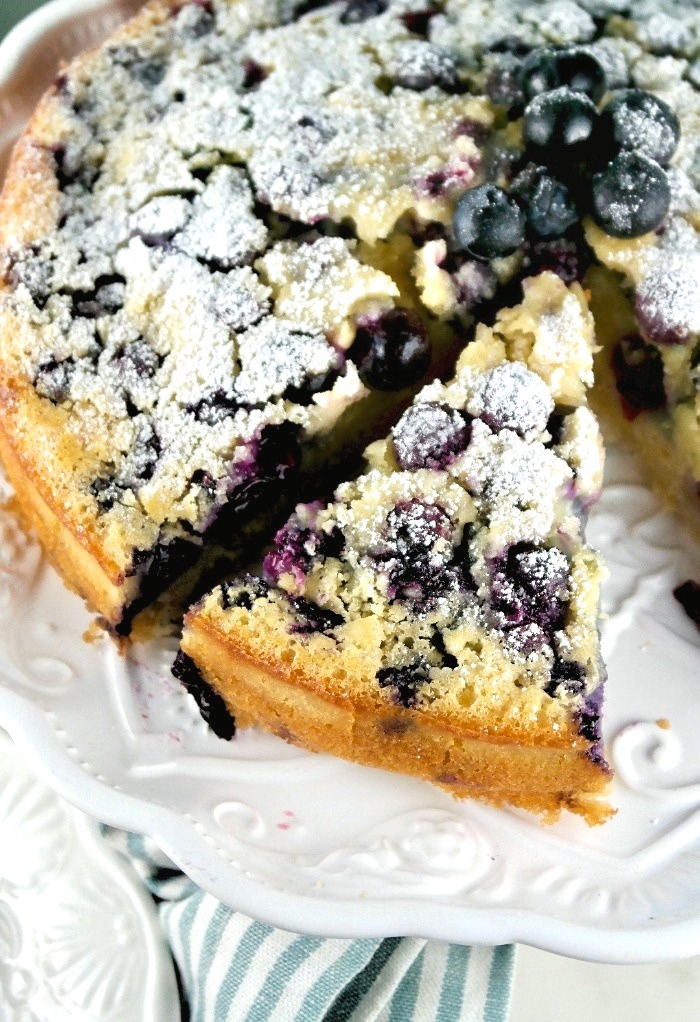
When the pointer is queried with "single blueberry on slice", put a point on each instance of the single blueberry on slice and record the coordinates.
(530, 584)
(568, 674)
(420, 66)
(53, 379)
(580, 71)
(414, 527)
(311, 618)
(211, 705)
(559, 126)
(667, 302)
(274, 464)
(503, 84)
(589, 717)
(636, 119)
(418, 554)
(574, 68)
(296, 546)
(406, 682)
(487, 223)
(214, 407)
(639, 376)
(549, 206)
(357, 11)
(137, 360)
(631, 196)
(106, 492)
(422, 585)
(430, 435)
(688, 595)
(391, 352)
(557, 423)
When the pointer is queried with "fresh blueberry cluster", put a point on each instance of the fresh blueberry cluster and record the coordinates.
(578, 159)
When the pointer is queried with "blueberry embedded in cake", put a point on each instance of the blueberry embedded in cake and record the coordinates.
(439, 616)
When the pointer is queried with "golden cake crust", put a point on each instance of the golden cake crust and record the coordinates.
(546, 775)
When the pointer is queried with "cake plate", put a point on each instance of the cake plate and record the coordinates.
(317, 845)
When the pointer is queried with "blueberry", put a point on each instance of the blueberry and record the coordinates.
(503, 84)
(214, 407)
(53, 379)
(512, 397)
(548, 204)
(392, 352)
(567, 673)
(211, 705)
(667, 303)
(631, 196)
(530, 586)
(688, 595)
(296, 546)
(430, 435)
(573, 68)
(589, 716)
(137, 360)
(557, 423)
(276, 458)
(143, 457)
(311, 618)
(420, 65)
(636, 119)
(559, 126)
(414, 526)
(421, 585)
(417, 555)
(357, 11)
(639, 375)
(106, 492)
(405, 681)
(487, 223)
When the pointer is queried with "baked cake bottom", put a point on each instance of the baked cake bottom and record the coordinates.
(295, 705)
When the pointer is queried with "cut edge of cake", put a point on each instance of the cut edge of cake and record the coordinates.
(281, 656)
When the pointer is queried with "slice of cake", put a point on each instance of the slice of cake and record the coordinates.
(439, 616)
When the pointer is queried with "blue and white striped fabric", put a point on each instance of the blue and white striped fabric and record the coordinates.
(237, 970)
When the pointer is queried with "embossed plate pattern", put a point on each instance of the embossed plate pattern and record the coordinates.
(317, 845)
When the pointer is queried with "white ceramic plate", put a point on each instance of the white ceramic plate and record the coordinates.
(321, 846)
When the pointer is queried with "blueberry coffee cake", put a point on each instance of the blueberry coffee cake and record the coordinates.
(439, 616)
(239, 238)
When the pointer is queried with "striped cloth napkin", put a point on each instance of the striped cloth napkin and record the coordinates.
(234, 969)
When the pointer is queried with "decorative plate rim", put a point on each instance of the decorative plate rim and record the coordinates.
(188, 844)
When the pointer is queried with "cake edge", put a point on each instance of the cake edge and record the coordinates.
(485, 767)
